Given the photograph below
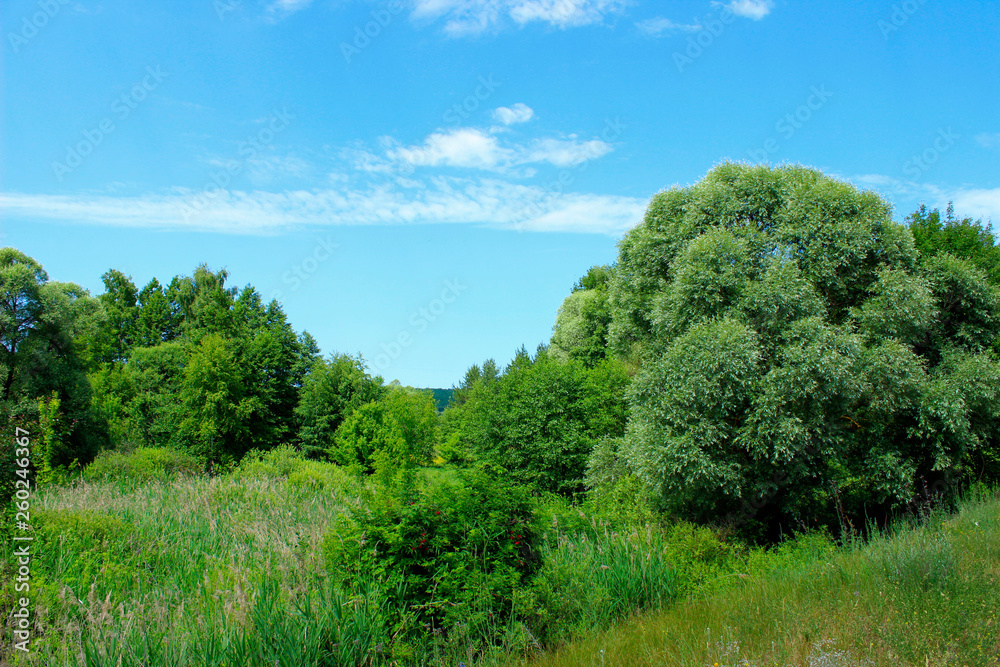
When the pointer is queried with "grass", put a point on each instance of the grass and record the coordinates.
(926, 595)
(178, 569)
(165, 571)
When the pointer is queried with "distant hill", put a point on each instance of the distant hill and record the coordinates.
(441, 396)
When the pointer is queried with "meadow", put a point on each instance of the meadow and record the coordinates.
(146, 561)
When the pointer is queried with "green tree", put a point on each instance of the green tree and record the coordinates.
(396, 431)
(581, 328)
(963, 238)
(41, 324)
(794, 351)
(217, 408)
(331, 391)
(139, 400)
(540, 419)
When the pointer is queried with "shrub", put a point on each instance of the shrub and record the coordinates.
(298, 470)
(141, 465)
(397, 430)
(460, 546)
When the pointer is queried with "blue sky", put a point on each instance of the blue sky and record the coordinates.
(422, 181)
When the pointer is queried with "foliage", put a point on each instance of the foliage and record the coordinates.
(44, 326)
(141, 465)
(333, 390)
(793, 351)
(540, 419)
(137, 400)
(397, 430)
(963, 238)
(460, 546)
(581, 327)
(196, 365)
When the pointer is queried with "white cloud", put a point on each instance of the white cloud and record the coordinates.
(751, 9)
(463, 147)
(978, 203)
(477, 149)
(988, 140)
(518, 113)
(566, 153)
(972, 202)
(488, 202)
(472, 17)
(656, 26)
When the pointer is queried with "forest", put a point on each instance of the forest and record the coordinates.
(774, 376)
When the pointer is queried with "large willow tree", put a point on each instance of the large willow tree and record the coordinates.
(798, 363)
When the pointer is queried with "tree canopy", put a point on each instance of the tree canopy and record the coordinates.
(795, 350)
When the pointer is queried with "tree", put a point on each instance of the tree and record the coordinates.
(795, 351)
(41, 324)
(217, 407)
(540, 419)
(963, 238)
(22, 310)
(331, 391)
(581, 328)
(139, 401)
(396, 431)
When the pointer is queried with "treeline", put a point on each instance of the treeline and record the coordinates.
(770, 351)
(196, 366)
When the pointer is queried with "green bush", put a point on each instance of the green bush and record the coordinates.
(397, 430)
(460, 546)
(141, 465)
(299, 471)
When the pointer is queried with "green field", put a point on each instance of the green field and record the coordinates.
(182, 569)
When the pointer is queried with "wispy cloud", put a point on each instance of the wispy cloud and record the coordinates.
(751, 9)
(474, 148)
(518, 113)
(287, 6)
(972, 202)
(489, 202)
(978, 203)
(472, 17)
(565, 152)
(660, 25)
(988, 139)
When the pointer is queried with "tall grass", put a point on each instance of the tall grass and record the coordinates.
(181, 567)
(924, 594)
(187, 570)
